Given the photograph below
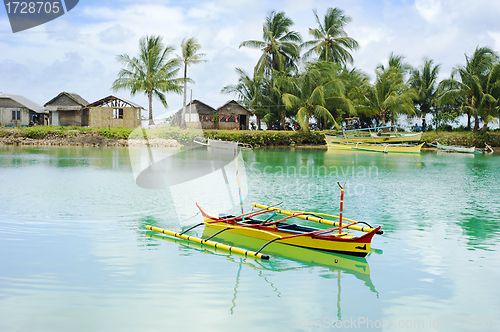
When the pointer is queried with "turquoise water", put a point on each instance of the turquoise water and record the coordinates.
(74, 254)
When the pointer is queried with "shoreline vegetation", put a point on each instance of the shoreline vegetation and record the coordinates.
(174, 137)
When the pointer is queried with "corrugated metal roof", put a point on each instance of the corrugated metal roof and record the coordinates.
(24, 101)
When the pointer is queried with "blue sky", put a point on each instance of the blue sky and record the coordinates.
(76, 52)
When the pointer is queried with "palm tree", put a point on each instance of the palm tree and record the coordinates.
(424, 82)
(330, 41)
(317, 92)
(474, 86)
(189, 47)
(151, 72)
(491, 99)
(280, 46)
(355, 83)
(389, 96)
(251, 94)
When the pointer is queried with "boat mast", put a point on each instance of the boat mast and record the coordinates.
(341, 205)
(238, 179)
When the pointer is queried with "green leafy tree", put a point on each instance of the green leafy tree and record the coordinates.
(389, 96)
(280, 46)
(151, 72)
(330, 41)
(476, 85)
(355, 83)
(317, 92)
(251, 94)
(424, 81)
(190, 56)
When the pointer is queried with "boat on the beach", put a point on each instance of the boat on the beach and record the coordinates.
(455, 148)
(382, 147)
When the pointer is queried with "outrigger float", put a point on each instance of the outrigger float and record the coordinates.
(333, 239)
(382, 147)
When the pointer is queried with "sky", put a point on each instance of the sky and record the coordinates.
(77, 51)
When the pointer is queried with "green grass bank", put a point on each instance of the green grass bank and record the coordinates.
(105, 136)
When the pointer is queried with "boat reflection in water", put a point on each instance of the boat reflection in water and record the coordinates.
(307, 258)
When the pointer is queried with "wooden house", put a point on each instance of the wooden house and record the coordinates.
(17, 111)
(114, 112)
(68, 109)
(232, 115)
(197, 113)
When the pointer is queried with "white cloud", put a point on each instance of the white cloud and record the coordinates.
(429, 9)
(115, 35)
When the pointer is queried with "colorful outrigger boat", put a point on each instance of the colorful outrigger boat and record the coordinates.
(372, 135)
(334, 239)
(383, 148)
(295, 235)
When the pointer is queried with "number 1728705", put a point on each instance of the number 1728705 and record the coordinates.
(38, 7)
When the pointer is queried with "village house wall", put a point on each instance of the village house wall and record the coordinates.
(70, 118)
(67, 109)
(6, 116)
(102, 117)
(6, 108)
(231, 109)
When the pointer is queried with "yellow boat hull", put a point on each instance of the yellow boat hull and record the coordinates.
(369, 138)
(382, 148)
(344, 243)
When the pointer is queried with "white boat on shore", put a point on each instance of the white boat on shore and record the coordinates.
(455, 148)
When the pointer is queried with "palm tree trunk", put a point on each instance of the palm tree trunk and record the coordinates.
(468, 120)
(476, 122)
(436, 119)
(382, 117)
(484, 128)
(258, 123)
(150, 98)
(283, 120)
(183, 120)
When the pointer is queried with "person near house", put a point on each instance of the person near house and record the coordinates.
(424, 125)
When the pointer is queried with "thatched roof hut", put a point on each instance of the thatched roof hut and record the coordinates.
(68, 109)
(196, 112)
(232, 115)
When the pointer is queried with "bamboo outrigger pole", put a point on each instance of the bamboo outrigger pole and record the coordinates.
(311, 216)
(214, 244)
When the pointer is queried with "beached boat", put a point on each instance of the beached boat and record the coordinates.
(382, 148)
(454, 148)
(372, 135)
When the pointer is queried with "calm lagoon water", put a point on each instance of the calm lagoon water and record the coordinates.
(75, 256)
